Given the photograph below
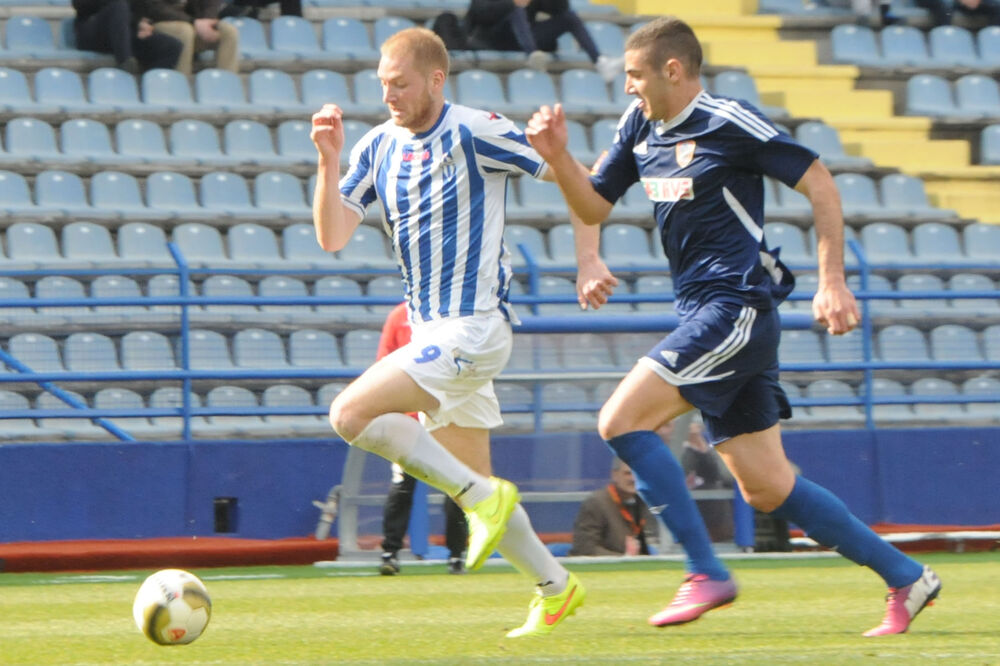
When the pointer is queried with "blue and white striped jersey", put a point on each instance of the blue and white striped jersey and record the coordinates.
(443, 203)
(702, 171)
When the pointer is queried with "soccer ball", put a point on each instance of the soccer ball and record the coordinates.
(172, 607)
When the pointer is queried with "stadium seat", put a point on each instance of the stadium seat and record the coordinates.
(70, 427)
(15, 95)
(119, 287)
(367, 92)
(516, 235)
(982, 242)
(209, 350)
(22, 317)
(197, 141)
(991, 342)
(253, 41)
(336, 287)
(886, 243)
(250, 142)
(86, 140)
(975, 387)
(222, 90)
(952, 46)
(989, 145)
(142, 140)
(300, 248)
(482, 90)
(21, 429)
(360, 346)
(323, 86)
(530, 89)
(327, 392)
(566, 395)
(139, 427)
(226, 286)
(921, 307)
(384, 286)
(226, 194)
(800, 347)
(280, 194)
(260, 349)
(905, 195)
(90, 352)
(144, 245)
(346, 38)
(833, 389)
(952, 342)
(88, 243)
(15, 196)
(988, 45)
(609, 37)
(937, 243)
(741, 86)
(789, 238)
(366, 249)
(30, 242)
(30, 37)
(113, 89)
(854, 45)
(223, 397)
(386, 26)
(200, 244)
(625, 246)
(876, 283)
(33, 140)
(168, 90)
(255, 246)
(539, 200)
(553, 285)
(296, 36)
(147, 350)
(38, 352)
(61, 288)
(171, 397)
(858, 195)
(901, 342)
(974, 282)
(282, 287)
(935, 387)
(977, 96)
(168, 286)
(62, 88)
(287, 396)
(63, 193)
(590, 352)
(312, 348)
(847, 348)
(929, 95)
(511, 396)
(904, 46)
(891, 413)
(275, 90)
(826, 141)
(791, 203)
(654, 285)
(173, 193)
(293, 142)
(583, 91)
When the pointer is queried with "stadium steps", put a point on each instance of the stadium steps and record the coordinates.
(684, 8)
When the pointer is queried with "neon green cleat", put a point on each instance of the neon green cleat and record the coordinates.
(545, 613)
(488, 521)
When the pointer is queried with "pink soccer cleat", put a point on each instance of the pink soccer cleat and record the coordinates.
(698, 595)
(905, 602)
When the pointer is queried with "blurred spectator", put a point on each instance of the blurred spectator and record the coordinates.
(614, 520)
(533, 26)
(943, 11)
(398, 505)
(253, 8)
(865, 10)
(110, 26)
(196, 24)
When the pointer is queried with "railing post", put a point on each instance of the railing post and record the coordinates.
(866, 330)
(183, 276)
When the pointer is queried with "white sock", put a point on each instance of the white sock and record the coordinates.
(525, 551)
(403, 440)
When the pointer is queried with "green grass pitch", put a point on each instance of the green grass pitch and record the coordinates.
(802, 611)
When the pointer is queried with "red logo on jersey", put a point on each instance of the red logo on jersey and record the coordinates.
(495, 116)
(685, 153)
(409, 155)
(669, 189)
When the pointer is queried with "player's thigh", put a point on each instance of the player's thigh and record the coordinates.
(642, 401)
(382, 389)
(758, 463)
(470, 445)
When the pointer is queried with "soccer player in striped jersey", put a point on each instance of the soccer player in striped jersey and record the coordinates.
(701, 160)
(438, 172)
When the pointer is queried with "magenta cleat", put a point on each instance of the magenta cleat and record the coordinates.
(698, 595)
(905, 602)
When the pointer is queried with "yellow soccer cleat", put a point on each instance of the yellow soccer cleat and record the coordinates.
(488, 521)
(545, 613)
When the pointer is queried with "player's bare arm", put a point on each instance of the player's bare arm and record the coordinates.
(546, 132)
(334, 222)
(834, 305)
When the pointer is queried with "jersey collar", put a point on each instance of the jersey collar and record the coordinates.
(437, 123)
(662, 127)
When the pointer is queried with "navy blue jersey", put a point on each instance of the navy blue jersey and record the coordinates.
(703, 172)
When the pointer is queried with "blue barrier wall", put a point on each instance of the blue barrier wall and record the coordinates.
(130, 490)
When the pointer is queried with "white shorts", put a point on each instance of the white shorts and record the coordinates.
(455, 360)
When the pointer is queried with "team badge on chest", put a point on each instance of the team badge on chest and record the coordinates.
(685, 153)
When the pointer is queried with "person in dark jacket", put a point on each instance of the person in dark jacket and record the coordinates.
(110, 26)
(614, 520)
(196, 24)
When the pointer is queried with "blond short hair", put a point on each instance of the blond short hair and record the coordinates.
(422, 45)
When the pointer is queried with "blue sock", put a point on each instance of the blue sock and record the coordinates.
(660, 482)
(826, 519)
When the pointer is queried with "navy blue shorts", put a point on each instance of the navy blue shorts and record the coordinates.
(724, 361)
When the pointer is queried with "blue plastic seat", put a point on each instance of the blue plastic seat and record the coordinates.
(901, 342)
(335, 287)
(227, 194)
(982, 242)
(15, 95)
(590, 352)
(275, 90)
(974, 282)
(280, 194)
(609, 37)
(481, 89)
(289, 395)
(886, 243)
(33, 140)
(855, 45)
(280, 286)
(228, 425)
(826, 141)
(90, 352)
(119, 193)
(800, 347)
(168, 90)
(515, 235)
(293, 142)
(300, 248)
(209, 350)
(173, 193)
(144, 245)
(929, 95)
(847, 348)
(37, 351)
(30, 37)
(876, 282)
(219, 90)
(139, 427)
(90, 243)
(58, 287)
(904, 195)
(384, 286)
(168, 285)
(31, 242)
(70, 427)
(367, 249)
(981, 387)
(554, 285)
(568, 396)
(15, 196)
(254, 245)
(977, 95)
(858, 195)
(584, 91)
(360, 346)
(625, 245)
(171, 397)
(387, 26)
(62, 192)
(921, 307)
(114, 89)
(259, 348)
(296, 36)
(989, 145)
(832, 389)
(250, 141)
(346, 38)
(312, 348)
(197, 141)
(200, 244)
(323, 86)
(791, 241)
(904, 46)
(120, 287)
(142, 140)
(934, 242)
(952, 342)
(654, 285)
(988, 44)
(226, 286)
(253, 41)
(991, 342)
(367, 92)
(88, 140)
(62, 88)
(935, 387)
(21, 317)
(530, 89)
(539, 200)
(21, 429)
(952, 46)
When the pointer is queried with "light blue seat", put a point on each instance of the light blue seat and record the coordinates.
(625, 246)
(168, 90)
(62, 88)
(589, 352)
(386, 26)
(300, 248)
(975, 387)
(934, 242)
(209, 350)
(71, 427)
(384, 286)
(904, 46)
(227, 194)
(147, 350)
(800, 347)
(609, 37)
(21, 429)
(313, 348)
(562, 244)
(173, 193)
(168, 285)
(481, 89)
(254, 245)
(847, 348)
(567, 52)
(259, 348)
(33, 140)
(293, 142)
(323, 86)
(30, 37)
(21, 317)
(953, 342)
(120, 287)
(540, 200)
(115, 90)
(90, 352)
(360, 346)
(219, 90)
(88, 243)
(876, 282)
(171, 397)
(530, 89)
(511, 396)
(226, 286)
(791, 241)
(228, 425)
(33, 243)
(275, 90)
(858, 195)
(88, 140)
(982, 242)
(64, 193)
(15, 195)
(283, 287)
(289, 395)
(62, 288)
(367, 92)
(579, 143)
(515, 235)
(346, 38)
(832, 389)
(37, 351)
(366, 249)
(144, 245)
(327, 392)
(929, 95)
(280, 194)
(253, 41)
(988, 45)
(142, 140)
(978, 96)
(826, 141)
(989, 145)
(250, 142)
(583, 91)
(952, 46)
(197, 141)
(854, 45)
(572, 397)
(335, 287)
(553, 285)
(741, 86)
(935, 387)
(654, 285)
(200, 244)
(886, 243)
(15, 95)
(296, 36)
(902, 342)
(905, 195)
(974, 282)
(921, 307)
(139, 427)
(991, 342)
(890, 413)
(791, 202)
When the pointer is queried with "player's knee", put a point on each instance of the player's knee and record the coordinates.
(763, 498)
(611, 424)
(346, 421)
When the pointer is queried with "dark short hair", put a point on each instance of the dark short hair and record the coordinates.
(665, 38)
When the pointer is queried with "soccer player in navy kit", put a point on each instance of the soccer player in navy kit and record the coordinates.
(701, 159)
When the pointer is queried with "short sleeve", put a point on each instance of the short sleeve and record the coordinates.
(357, 186)
(501, 146)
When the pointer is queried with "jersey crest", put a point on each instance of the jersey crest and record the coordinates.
(684, 152)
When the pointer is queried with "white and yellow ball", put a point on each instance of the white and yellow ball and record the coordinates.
(172, 607)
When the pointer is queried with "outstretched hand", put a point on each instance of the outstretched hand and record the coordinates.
(834, 307)
(594, 284)
(328, 131)
(546, 131)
